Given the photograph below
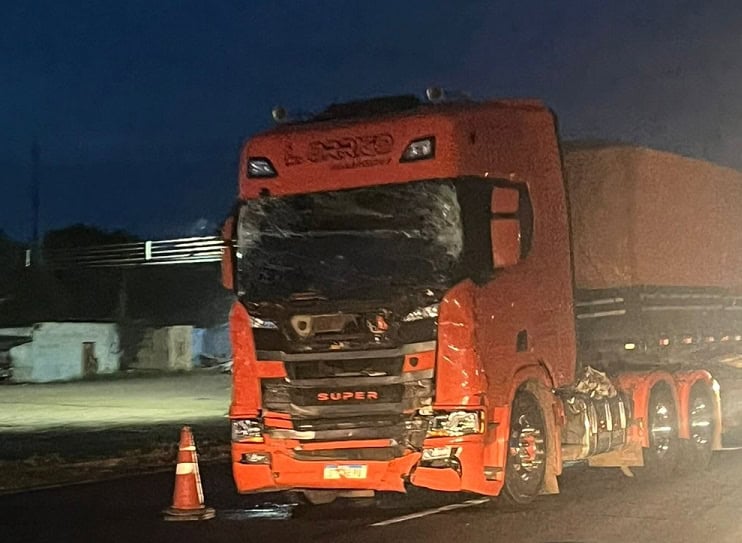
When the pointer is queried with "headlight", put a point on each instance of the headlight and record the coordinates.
(429, 312)
(455, 423)
(255, 458)
(249, 430)
(257, 322)
(437, 453)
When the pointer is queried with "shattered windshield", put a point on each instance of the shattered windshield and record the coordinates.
(350, 242)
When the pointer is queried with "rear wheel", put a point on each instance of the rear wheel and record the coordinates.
(526, 461)
(663, 453)
(697, 450)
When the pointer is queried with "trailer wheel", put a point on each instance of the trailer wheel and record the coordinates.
(663, 453)
(526, 461)
(697, 450)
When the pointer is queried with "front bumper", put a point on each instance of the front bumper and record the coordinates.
(287, 472)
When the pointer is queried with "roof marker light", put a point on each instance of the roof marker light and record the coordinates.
(260, 167)
(421, 149)
(279, 114)
(438, 95)
(435, 94)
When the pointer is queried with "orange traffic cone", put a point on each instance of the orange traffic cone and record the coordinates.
(188, 497)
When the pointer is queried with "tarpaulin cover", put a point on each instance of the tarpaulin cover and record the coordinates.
(646, 217)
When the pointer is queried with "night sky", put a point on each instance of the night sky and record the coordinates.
(140, 108)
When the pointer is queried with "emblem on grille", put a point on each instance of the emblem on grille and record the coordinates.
(347, 395)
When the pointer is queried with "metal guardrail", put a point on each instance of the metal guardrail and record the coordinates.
(194, 250)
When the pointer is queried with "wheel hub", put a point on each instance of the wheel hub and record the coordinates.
(661, 430)
(527, 448)
(700, 421)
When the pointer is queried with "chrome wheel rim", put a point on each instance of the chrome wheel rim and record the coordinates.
(527, 448)
(701, 421)
(662, 428)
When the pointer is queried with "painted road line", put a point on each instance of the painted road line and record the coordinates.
(428, 512)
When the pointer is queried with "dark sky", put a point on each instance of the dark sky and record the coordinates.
(140, 108)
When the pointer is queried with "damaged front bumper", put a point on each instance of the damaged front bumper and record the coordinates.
(446, 464)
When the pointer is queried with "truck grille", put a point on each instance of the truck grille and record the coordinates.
(349, 423)
(342, 397)
(381, 454)
(348, 395)
(400, 431)
(361, 367)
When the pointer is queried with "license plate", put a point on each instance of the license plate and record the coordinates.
(351, 471)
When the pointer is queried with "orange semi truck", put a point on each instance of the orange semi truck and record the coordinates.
(424, 297)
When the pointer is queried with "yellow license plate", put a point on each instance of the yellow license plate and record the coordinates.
(351, 471)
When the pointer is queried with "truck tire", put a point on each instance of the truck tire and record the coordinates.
(697, 450)
(320, 497)
(662, 456)
(526, 461)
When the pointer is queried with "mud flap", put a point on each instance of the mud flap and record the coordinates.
(551, 485)
(553, 461)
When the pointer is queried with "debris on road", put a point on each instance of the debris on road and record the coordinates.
(269, 511)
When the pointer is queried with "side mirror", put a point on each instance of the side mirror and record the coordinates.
(505, 227)
(228, 231)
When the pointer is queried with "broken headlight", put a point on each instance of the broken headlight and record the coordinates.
(257, 322)
(428, 312)
(437, 453)
(455, 423)
(255, 458)
(247, 430)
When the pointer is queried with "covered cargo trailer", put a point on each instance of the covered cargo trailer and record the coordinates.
(645, 217)
(657, 245)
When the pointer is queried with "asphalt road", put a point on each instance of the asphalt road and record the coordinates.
(595, 506)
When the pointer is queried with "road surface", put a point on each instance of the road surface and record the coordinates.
(159, 399)
(595, 506)
(85, 430)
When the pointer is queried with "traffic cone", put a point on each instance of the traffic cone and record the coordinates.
(188, 497)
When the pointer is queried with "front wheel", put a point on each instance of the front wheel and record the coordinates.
(526, 461)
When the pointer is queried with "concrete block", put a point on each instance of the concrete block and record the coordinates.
(217, 343)
(197, 345)
(166, 349)
(62, 351)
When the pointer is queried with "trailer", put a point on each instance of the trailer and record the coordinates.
(437, 293)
